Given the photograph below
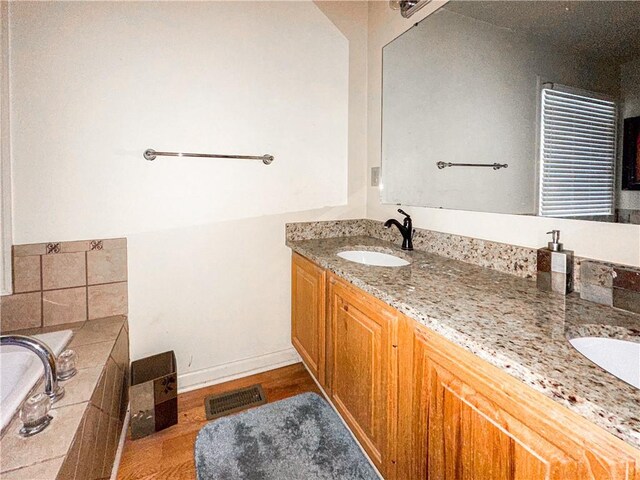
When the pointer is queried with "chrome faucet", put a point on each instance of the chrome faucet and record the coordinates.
(51, 388)
(406, 229)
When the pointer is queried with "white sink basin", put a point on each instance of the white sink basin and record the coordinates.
(377, 259)
(618, 357)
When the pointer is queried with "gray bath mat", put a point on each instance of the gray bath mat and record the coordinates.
(300, 438)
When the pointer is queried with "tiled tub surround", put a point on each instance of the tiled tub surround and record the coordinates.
(504, 320)
(81, 441)
(66, 282)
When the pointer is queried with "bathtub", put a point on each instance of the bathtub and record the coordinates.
(21, 369)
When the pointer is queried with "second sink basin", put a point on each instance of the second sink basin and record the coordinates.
(377, 259)
(619, 357)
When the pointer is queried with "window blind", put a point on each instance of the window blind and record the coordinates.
(577, 154)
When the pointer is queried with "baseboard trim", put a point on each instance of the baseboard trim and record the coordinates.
(237, 369)
(326, 397)
(123, 437)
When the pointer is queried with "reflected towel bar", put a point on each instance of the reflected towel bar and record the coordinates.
(495, 166)
(151, 154)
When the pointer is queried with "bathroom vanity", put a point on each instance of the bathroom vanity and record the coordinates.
(447, 370)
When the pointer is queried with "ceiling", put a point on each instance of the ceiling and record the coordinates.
(602, 30)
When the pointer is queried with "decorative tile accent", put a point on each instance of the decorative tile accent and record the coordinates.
(96, 245)
(23, 310)
(26, 274)
(53, 248)
(63, 270)
(64, 306)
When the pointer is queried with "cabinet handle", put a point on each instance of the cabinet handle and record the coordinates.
(346, 308)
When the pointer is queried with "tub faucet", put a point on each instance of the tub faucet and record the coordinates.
(51, 388)
(406, 229)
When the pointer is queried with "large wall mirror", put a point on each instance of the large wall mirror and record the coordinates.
(524, 107)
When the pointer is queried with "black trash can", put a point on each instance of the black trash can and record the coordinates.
(153, 394)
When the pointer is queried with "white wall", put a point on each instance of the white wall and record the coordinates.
(457, 89)
(630, 94)
(94, 84)
(604, 241)
(5, 156)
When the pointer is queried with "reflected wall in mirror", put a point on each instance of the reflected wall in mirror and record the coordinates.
(514, 107)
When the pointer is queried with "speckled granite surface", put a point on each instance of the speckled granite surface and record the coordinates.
(520, 261)
(504, 320)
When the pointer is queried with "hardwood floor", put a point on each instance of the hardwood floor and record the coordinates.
(169, 454)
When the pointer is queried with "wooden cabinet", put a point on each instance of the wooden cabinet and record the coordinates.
(308, 314)
(426, 409)
(362, 368)
(461, 418)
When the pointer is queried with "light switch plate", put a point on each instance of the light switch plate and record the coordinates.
(375, 176)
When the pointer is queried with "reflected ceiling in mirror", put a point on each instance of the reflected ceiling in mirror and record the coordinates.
(515, 107)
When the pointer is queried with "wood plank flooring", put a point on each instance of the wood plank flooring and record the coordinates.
(169, 454)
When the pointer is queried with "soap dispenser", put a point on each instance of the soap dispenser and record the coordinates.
(555, 266)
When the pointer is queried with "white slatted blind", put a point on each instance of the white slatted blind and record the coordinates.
(577, 152)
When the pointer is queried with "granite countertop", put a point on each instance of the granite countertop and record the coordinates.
(504, 320)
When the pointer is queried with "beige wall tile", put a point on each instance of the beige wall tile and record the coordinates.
(113, 243)
(107, 300)
(23, 310)
(63, 270)
(29, 249)
(64, 306)
(42, 471)
(107, 266)
(26, 274)
(78, 246)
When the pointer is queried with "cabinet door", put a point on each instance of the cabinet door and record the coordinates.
(308, 314)
(361, 358)
(464, 419)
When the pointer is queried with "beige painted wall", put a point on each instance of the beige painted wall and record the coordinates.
(96, 83)
(604, 241)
